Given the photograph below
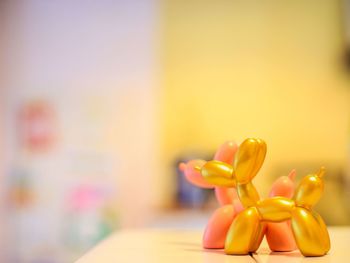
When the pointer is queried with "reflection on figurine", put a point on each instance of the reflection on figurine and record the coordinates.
(240, 230)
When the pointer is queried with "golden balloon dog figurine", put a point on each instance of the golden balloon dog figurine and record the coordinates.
(248, 227)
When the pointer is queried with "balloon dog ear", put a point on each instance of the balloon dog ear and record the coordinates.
(249, 159)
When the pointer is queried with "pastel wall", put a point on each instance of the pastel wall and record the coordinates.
(270, 69)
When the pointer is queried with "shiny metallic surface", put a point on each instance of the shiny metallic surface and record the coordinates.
(249, 159)
(311, 236)
(218, 173)
(241, 237)
(310, 189)
(248, 194)
(248, 227)
(276, 209)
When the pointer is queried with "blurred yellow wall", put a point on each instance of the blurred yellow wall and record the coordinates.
(269, 69)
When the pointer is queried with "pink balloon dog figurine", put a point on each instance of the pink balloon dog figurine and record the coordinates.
(278, 235)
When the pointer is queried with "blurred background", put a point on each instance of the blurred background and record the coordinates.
(100, 101)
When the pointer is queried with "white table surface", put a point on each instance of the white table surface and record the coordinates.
(152, 245)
